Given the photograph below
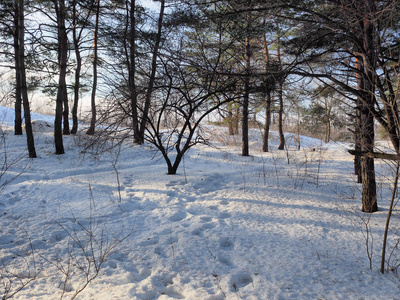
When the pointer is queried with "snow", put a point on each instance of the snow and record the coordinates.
(224, 227)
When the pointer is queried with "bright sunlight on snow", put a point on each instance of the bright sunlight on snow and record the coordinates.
(278, 225)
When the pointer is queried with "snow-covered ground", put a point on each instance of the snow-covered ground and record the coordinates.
(224, 227)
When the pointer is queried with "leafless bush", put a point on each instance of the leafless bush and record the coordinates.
(88, 246)
(13, 280)
(6, 163)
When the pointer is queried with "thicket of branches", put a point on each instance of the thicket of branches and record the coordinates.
(153, 75)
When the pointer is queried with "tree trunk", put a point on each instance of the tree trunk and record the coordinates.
(369, 200)
(18, 97)
(357, 131)
(245, 105)
(236, 119)
(328, 131)
(65, 112)
(280, 118)
(280, 99)
(91, 129)
(62, 85)
(267, 122)
(152, 75)
(74, 129)
(268, 88)
(132, 70)
(22, 75)
(230, 120)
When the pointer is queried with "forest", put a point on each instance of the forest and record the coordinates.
(161, 73)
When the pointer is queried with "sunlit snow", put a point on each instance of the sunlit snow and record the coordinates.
(224, 227)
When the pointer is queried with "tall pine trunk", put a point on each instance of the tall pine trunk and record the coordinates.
(91, 129)
(357, 123)
(75, 37)
(130, 48)
(62, 64)
(22, 75)
(65, 113)
(246, 94)
(267, 122)
(280, 99)
(369, 199)
(18, 97)
(268, 87)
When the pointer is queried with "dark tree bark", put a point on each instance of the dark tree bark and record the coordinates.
(22, 75)
(131, 59)
(59, 6)
(18, 97)
(65, 112)
(267, 122)
(268, 84)
(246, 94)
(369, 201)
(280, 99)
(231, 129)
(91, 129)
(357, 123)
(236, 120)
(76, 39)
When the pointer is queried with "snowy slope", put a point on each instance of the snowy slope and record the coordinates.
(225, 227)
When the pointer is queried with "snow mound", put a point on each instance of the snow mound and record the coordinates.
(41, 126)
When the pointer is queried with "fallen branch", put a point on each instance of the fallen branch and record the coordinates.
(381, 155)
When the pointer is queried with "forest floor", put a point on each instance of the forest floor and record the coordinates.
(277, 225)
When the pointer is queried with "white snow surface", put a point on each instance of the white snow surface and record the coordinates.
(224, 227)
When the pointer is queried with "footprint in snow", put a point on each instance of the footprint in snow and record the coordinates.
(159, 251)
(205, 219)
(179, 216)
(226, 243)
(208, 225)
(164, 284)
(224, 215)
(149, 241)
(197, 231)
(225, 261)
(240, 280)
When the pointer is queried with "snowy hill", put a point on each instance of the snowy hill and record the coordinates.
(225, 227)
